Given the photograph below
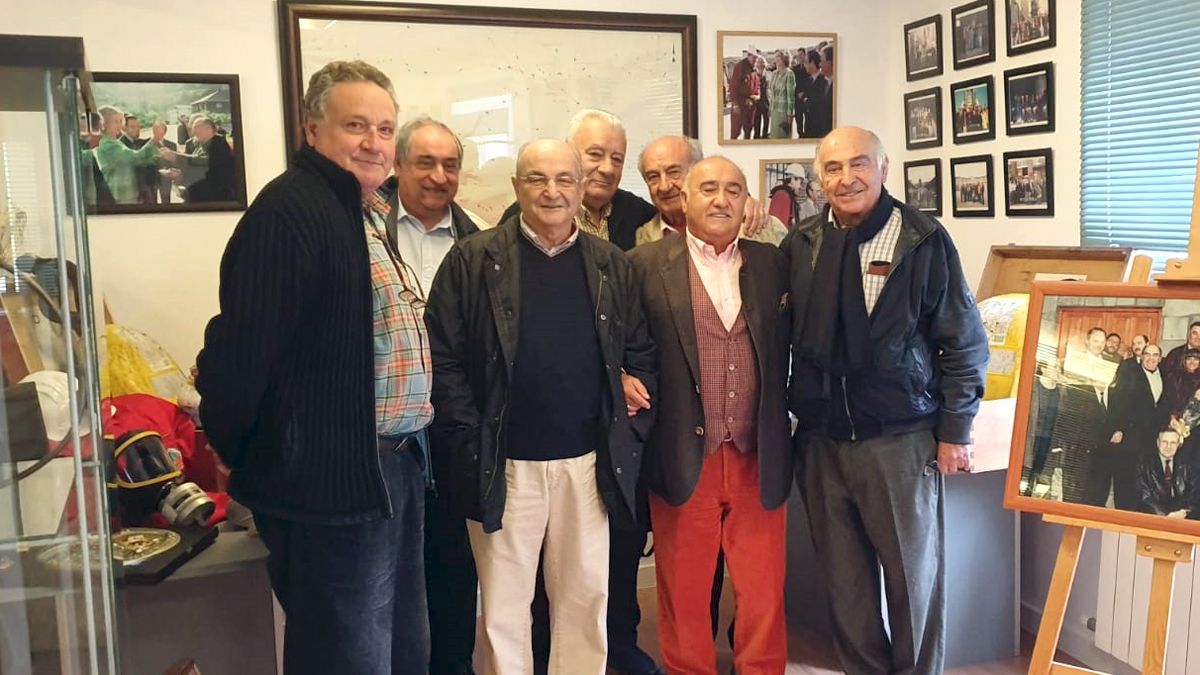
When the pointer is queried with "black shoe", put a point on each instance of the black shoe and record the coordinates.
(633, 661)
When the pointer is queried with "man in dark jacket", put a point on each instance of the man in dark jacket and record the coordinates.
(1134, 417)
(718, 461)
(212, 171)
(315, 379)
(531, 325)
(1167, 487)
(888, 360)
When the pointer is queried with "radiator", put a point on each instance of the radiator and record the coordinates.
(1123, 597)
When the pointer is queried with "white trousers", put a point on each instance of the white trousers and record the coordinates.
(555, 506)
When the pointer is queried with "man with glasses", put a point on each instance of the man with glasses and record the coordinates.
(531, 325)
(316, 378)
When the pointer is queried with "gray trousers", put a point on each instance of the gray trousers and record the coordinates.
(871, 503)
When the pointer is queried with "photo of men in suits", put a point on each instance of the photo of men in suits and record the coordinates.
(1167, 487)
(1134, 417)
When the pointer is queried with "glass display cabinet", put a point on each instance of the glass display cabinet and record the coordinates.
(56, 579)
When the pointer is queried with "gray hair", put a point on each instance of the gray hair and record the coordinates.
(203, 118)
(880, 152)
(108, 111)
(553, 141)
(316, 98)
(692, 143)
(589, 114)
(405, 133)
(688, 176)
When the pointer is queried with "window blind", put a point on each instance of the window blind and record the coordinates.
(1141, 121)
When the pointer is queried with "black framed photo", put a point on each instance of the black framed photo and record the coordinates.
(923, 48)
(1029, 25)
(973, 106)
(923, 185)
(166, 142)
(923, 119)
(1029, 183)
(974, 28)
(1029, 99)
(971, 178)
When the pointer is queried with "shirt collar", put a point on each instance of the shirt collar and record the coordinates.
(707, 252)
(584, 218)
(402, 213)
(550, 251)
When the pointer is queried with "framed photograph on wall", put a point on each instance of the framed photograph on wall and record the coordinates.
(971, 187)
(972, 105)
(1091, 440)
(923, 185)
(163, 143)
(923, 48)
(973, 26)
(1029, 99)
(1029, 25)
(775, 87)
(790, 189)
(923, 119)
(1029, 183)
(541, 67)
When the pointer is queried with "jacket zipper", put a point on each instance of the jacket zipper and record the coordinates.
(846, 403)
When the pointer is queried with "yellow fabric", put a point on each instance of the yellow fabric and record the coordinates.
(132, 362)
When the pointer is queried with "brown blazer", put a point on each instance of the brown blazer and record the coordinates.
(674, 452)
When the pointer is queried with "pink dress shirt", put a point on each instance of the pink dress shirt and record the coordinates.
(719, 274)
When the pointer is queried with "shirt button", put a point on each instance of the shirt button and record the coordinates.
(732, 394)
(496, 267)
(732, 367)
(603, 317)
(699, 431)
(618, 470)
(729, 420)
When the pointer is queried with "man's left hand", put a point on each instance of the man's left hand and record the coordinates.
(955, 458)
(755, 218)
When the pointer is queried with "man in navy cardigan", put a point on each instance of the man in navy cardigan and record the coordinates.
(318, 414)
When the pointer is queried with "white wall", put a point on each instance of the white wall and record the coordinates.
(159, 272)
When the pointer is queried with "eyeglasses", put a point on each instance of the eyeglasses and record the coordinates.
(537, 181)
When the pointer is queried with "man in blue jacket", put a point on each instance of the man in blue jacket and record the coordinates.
(888, 364)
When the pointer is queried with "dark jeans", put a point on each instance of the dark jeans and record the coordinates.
(450, 583)
(355, 594)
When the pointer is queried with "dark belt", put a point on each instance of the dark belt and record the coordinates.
(398, 444)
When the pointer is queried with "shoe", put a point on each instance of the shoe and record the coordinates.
(633, 661)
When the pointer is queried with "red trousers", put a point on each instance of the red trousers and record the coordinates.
(724, 512)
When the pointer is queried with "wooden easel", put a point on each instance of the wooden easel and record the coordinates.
(1166, 549)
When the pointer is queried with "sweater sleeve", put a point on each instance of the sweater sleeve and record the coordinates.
(263, 274)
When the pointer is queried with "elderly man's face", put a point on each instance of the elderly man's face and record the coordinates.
(548, 185)
(1151, 357)
(1095, 342)
(601, 146)
(204, 130)
(1194, 337)
(114, 125)
(428, 176)
(1168, 444)
(851, 174)
(1137, 345)
(158, 131)
(715, 198)
(664, 165)
(357, 132)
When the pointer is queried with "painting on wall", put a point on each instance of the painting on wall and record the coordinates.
(1029, 183)
(163, 143)
(923, 48)
(923, 119)
(923, 185)
(973, 26)
(541, 67)
(775, 87)
(1029, 25)
(1107, 406)
(972, 104)
(971, 185)
(790, 189)
(1029, 99)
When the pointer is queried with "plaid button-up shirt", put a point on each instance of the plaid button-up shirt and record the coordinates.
(403, 372)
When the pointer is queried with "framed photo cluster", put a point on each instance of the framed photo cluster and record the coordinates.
(976, 107)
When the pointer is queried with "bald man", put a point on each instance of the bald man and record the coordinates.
(531, 325)
(718, 461)
(888, 361)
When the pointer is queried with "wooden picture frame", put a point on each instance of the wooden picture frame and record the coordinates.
(790, 197)
(814, 104)
(923, 185)
(1029, 99)
(1027, 31)
(973, 27)
(923, 119)
(973, 110)
(1029, 183)
(972, 189)
(923, 48)
(195, 174)
(500, 76)
(1060, 453)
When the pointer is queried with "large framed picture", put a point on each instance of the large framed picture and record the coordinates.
(1029, 183)
(790, 189)
(923, 119)
(971, 181)
(1107, 406)
(923, 48)
(1029, 99)
(973, 104)
(502, 76)
(775, 87)
(1030, 25)
(164, 142)
(923, 185)
(974, 29)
